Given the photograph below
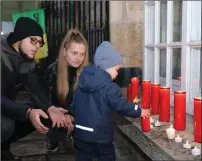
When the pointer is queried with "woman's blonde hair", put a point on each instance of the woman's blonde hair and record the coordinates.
(62, 70)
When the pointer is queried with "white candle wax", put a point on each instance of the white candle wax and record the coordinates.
(151, 120)
(157, 123)
(196, 151)
(178, 139)
(170, 132)
(187, 145)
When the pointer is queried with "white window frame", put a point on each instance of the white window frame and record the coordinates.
(186, 44)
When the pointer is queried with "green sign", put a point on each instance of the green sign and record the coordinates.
(37, 15)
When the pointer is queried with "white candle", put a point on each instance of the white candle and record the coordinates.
(178, 139)
(157, 123)
(151, 126)
(151, 120)
(187, 145)
(170, 132)
(196, 151)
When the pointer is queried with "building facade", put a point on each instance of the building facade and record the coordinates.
(172, 46)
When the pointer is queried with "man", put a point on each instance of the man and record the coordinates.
(17, 69)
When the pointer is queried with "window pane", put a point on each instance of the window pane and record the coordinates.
(151, 28)
(163, 21)
(177, 20)
(200, 82)
(196, 20)
(176, 64)
(195, 72)
(163, 63)
(151, 64)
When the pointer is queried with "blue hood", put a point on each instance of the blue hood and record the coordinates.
(93, 78)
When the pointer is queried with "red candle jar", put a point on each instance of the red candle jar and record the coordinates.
(129, 93)
(155, 91)
(180, 110)
(164, 108)
(197, 119)
(135, 87)
(145, 124)
(146, 86)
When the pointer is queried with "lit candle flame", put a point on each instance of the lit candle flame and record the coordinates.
(178, 136)
(171, 126)
(195, 147)
(187, 142)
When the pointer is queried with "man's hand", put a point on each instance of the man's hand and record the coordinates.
(57, 115)
(34, 116)
(145, 113)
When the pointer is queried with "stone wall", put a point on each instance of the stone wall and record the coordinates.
(126, 35)
(126, 30)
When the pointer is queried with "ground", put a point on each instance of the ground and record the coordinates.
(32, 148)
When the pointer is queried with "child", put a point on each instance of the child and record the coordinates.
(96, 97)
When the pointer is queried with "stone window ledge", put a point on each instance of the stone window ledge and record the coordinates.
(155, 143)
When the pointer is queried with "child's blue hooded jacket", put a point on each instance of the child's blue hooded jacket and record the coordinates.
(94, 100)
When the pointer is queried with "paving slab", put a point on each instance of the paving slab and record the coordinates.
(30, 148)
(34, 136)
(58, 157)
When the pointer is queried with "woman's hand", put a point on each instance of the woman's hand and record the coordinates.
(69, 122)
(57, 115)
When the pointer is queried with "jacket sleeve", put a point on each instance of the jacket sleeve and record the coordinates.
(71, 107)
(121, 104)
(38, 95)
(49, 83)
(16, 111)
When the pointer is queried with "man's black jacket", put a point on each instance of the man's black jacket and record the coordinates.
(16, 70)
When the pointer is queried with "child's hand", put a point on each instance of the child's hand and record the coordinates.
(136, 100)
(145, 113)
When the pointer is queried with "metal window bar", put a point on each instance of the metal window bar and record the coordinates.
(91, 18)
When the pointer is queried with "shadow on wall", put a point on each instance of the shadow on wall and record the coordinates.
(125, 74)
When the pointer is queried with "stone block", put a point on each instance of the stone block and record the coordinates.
(126, 11)
(127, 38)
(135, 11)
(132, 61)
(116, 11)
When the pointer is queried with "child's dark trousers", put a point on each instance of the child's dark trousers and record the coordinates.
(87, 151)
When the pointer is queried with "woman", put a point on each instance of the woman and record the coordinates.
(61, 79)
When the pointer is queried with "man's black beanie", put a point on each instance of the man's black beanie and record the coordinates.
(24, 28)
